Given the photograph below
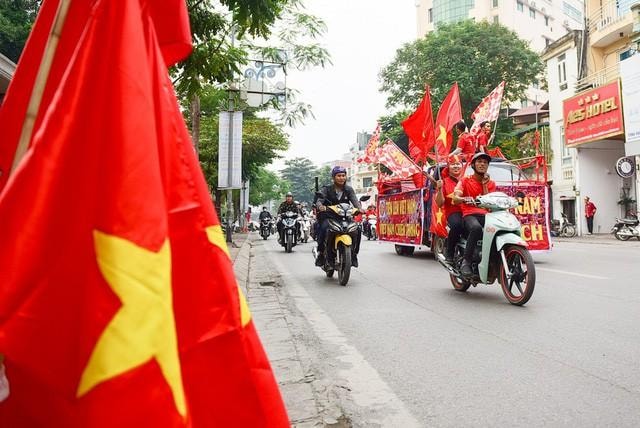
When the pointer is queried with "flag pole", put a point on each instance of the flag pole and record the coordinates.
(40, 83)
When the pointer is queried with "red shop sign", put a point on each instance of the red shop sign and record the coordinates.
(593, 115)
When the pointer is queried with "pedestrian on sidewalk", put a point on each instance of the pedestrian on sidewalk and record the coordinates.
(589, 213)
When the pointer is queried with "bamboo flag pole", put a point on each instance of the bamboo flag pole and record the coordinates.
(40, 83)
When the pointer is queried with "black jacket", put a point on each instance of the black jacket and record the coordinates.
(330, 197)
(264, 214)
(285, 206)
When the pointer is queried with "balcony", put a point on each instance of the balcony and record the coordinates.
(599, 78)
(608, 22)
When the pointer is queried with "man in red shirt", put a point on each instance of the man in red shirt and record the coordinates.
(473, 217)
(484, 137)
(589, 213)
(466, 142)
(444, 198)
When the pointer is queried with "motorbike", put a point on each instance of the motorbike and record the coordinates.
(563, 228)
(626, 228)
(265, 228)
(501, 253)
(371, 229)
(304, 229)
(290, 234)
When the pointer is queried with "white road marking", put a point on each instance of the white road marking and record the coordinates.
(583, 275)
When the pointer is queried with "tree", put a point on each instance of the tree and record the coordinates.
(476, 55)
(299, 173)
(324, 176)
(266, 186)
(16, 19)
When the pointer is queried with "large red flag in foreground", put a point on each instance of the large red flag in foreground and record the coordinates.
(419, 128)
(118, 304)
(449, 114)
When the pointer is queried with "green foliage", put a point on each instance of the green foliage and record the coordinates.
(266, 186)
(300, 173)
(16, 19)
(324, 176)
(476, 55)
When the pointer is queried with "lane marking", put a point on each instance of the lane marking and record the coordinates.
(583, 275)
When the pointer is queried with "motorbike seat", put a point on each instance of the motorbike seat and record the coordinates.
(631, 221)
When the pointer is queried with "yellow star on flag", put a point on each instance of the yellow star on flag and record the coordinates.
(216, 237)
(442, 136)
(144, 327)
(439, 215)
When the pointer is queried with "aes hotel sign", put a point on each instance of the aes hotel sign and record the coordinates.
(593, 115)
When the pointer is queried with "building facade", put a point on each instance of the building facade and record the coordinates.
(7, 68)
(362, 176)
(586, 112)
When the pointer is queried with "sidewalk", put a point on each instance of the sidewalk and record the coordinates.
(281, 335)
(598, 238)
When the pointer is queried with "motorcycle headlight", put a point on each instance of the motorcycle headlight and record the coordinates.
(506, 203)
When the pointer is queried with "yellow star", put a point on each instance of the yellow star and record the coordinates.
(439, 215)
(144, 327)
(215, 236)
(442, 136)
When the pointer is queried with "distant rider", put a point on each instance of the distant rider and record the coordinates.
(333, 194)
(287, 205)
(467, 189)
(444, 198)
(371, 210)
(265, 214)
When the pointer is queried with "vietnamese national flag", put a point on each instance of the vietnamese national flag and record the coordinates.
(118, 303)
(419, 128)
(449, 114)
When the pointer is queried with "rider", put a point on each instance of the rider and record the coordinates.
(265, 214)
(333, 194)
(484, 137)
(466, 142)
(473, 217)
(371, 210)
(444, 198)
(287, 205)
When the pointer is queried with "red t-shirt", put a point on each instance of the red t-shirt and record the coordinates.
(467, 144)
(590, 209)
(371, 212)
(448, 187)
(472, 187)
(482, 140)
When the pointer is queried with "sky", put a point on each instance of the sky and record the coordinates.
(362, 37)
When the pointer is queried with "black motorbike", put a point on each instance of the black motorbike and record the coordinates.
(265, 228)
(290, 230)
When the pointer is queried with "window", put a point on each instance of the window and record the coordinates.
(546, 21)
(524, 103)
(547, 41)
(494, 3)
(447, 11)
(430, 13)
(562, 72)
(571, 11)
(520, 6)
(496, 20)
(532, 13)
(626, 54)
(367, 181)
(566, 154)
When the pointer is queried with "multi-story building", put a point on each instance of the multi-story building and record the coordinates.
(538, 22)
(586, 106)
(7, 68)
(363, 176)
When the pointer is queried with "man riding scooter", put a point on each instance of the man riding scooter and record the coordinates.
(287, 205)
(467, 189)
(371, 211)
(333, 194)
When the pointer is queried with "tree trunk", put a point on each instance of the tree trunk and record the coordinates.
(195, 123)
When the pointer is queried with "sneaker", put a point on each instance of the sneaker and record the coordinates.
(320, 260)
(465, 269)
(354, 261)
(448, 258)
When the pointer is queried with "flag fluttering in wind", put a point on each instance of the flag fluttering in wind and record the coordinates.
(488, 109)
(449, 114)
(371, 150)
(118, 302)
(419, 128)
(398, 163)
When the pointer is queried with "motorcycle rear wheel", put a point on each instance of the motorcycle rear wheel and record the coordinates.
(623, 237)
(568, 231)
(344, 270)
(523, 277)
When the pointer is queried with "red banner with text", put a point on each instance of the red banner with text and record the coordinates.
(400, 217)
(533, 214)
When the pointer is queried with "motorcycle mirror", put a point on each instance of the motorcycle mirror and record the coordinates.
(520, 194)
(365, 198)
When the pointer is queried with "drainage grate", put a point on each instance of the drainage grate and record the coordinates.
(268, 284)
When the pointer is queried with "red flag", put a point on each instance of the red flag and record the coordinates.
(438, 220)
(118, 304)
(419, 128)
(371, 151)
(393, 158)
(449, 114)
(488, 109)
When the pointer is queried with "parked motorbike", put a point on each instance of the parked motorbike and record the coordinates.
(500, 254)
(371, 229)
(563, 228)
(626, 228)
(290, 238)
(265, 228)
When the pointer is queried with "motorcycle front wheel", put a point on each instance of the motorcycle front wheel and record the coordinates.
(623, 237)
(344, 270)
(519, 288)
(569, 231)
(288, 243)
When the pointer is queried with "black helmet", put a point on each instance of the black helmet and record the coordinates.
(478, 156)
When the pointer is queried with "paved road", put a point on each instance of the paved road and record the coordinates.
(415, 348)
